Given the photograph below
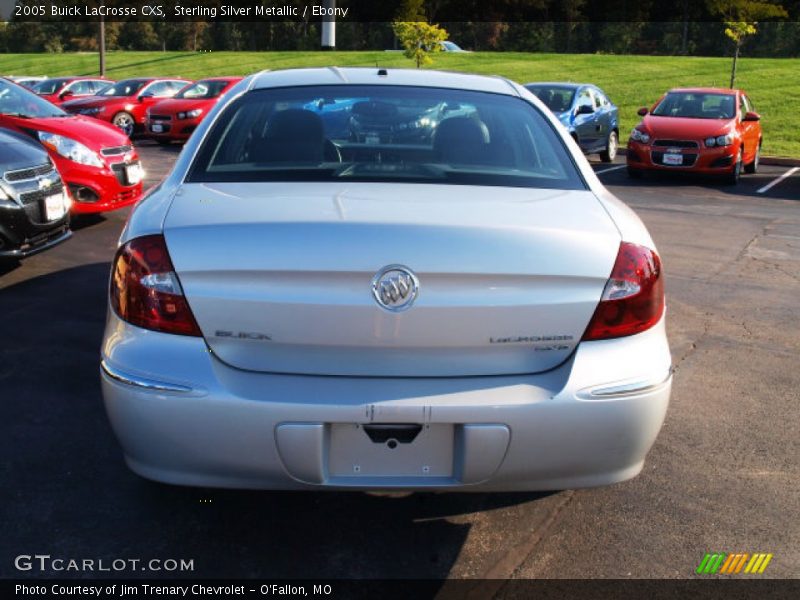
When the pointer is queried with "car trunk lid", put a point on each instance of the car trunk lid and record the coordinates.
(279, 275)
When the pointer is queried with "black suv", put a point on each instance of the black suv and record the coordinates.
(34, 206)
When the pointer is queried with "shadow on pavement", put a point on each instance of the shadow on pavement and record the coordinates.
(73, 496)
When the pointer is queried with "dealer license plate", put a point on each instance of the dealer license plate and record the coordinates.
(133, 173)
(673, 159)
(156, 128)
(55, 207)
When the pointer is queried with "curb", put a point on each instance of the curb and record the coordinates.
(779, 161)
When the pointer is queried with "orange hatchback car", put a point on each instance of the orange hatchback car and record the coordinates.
(712, 131)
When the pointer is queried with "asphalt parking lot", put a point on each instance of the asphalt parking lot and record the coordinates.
(724, 475)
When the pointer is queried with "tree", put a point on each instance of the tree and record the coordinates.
(741, 19)
(420, 40)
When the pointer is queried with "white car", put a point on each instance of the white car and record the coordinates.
(294, 307)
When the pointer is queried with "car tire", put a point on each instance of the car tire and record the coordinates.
(752, 167)
(635, 173)
(733, 177)
(125, 122)
(610, 153)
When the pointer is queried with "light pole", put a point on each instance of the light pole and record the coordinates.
(329, 25)
(101, 43)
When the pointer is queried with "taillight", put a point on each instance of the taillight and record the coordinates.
(633, 299)
(145, 290)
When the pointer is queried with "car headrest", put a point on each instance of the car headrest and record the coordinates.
(292, 135)
(461, 140)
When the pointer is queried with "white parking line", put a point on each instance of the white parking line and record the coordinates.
(610, 169)
(775, 182)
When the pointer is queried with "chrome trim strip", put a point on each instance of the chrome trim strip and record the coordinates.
(136, 381)
(632, 388)
(34, 169)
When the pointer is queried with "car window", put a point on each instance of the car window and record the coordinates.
(743, 107)
(159, 89)
(384, 133)
(697, 105)
(125, 88)
(80, 87)
(203, 90)
(95, 85)
(48, 86)
(585, 98)
(19, 101)
(598, 99)
(558, 99)
(749, 102)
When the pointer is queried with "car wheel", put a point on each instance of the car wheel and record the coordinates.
(635, 173)
(610, 153)
(124, 121)
(735, 174)
(753, 166)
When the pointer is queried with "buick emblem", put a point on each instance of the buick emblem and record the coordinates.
(395, 288)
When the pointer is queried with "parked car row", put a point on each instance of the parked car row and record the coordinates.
(711, 131)
(85, 125)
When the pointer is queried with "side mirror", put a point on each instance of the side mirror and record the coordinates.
(584, 109)
(66, 94)
(145, 95)
(642, 111)
(751, 116)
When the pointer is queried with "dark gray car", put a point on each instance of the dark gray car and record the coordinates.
(34, 206)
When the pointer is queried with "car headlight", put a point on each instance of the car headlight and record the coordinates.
(639, 136)
(69, 148)
(193, 114)
(90, 111)
(724, 140)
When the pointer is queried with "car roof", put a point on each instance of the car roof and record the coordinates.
(563, 84)
(706, 90)
(370, 76)
(222, 78)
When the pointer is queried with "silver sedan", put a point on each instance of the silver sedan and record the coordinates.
(383, 279)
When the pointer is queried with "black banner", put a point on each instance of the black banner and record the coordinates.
(442, 11)
(633, 589)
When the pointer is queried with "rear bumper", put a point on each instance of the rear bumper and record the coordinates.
(183, 417)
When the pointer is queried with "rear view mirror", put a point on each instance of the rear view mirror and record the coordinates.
(642, 111)
(584, 109)
(751, 116)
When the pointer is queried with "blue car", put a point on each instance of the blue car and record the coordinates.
(587, 113)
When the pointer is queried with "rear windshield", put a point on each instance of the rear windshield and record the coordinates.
(556, 98)
(692, 105)
(384, 133)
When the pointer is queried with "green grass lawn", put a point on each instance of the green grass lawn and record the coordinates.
(630, 81)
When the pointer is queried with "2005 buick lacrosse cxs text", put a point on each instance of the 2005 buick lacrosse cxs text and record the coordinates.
(382, 279)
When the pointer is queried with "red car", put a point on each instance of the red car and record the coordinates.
(60, 89)
(124, 103)
(96, 161)
(175, 119)
(712, 131)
